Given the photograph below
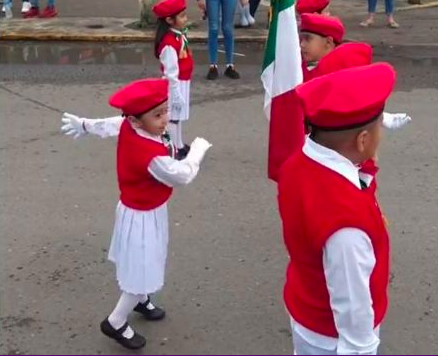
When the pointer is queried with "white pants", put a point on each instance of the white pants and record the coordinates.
(302, 347)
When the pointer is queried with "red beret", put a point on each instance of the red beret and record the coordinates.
(166, 8)
(311, 6)
(347, 98)
(345, 56)
(140, 96)
(323, 25)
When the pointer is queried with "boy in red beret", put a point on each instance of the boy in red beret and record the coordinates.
(337, 277)
(322, 53)
(147, 172)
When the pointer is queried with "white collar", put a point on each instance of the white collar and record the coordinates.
(147, 135)
(333, 160)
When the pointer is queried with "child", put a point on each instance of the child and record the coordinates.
(313, 6)
(246, 20)
(146, 172)
(322, 53)
(171, 48)
(337, 277)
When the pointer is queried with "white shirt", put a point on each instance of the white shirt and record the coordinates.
(348, 260)
(165, 169)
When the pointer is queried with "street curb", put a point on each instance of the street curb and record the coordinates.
(416, 7)
(100, 30)
(141, 37)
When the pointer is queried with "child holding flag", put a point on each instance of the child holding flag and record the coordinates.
(322, 52)
(335, 234)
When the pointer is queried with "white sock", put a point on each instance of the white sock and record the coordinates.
(149, 306)
(173, 132)
(243, 19)
(248, 16)
(179, 141)
(119, 315)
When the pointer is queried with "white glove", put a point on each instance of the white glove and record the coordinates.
(395, 121)
(198, 148)
(73, 125)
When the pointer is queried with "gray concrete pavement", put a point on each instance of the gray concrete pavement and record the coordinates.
(226, 256)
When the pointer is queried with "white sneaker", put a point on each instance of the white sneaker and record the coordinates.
(26, 7)
(8, 12)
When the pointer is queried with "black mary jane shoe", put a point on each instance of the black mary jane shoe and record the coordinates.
(182, 152)
(150, 314)
(134, 343)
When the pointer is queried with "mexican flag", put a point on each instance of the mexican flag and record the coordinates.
(281, 74)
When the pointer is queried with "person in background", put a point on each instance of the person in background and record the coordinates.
(48, 12)
(389, 10)
(245, 18)
(7, 8)
(220, 11)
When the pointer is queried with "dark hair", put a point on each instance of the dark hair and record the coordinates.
(162, 29)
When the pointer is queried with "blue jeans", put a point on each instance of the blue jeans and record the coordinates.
(35, 3)
(214, 10)
(9, 2)
(389, 6)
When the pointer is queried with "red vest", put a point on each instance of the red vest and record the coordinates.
(138, 188)
(314, 203)
(185, 59)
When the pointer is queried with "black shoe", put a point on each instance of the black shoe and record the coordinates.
(212, 73)
(153, 314)
(182, 152)
(134, 343)
(230, 72)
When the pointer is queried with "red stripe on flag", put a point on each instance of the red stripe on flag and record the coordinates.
(286, 131)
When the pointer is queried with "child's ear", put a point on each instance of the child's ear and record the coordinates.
(362, 141)
(330, 42)
(169, 20)
(133, 121)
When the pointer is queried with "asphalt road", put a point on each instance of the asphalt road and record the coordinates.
(226, 256)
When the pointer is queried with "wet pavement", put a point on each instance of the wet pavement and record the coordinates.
(226, 256)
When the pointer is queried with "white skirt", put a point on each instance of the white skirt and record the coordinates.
(139, 248)
(183, 115)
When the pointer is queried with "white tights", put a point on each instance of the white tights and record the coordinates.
(124, 307)
(175, 132)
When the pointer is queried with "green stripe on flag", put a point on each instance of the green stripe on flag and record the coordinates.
(276, 7)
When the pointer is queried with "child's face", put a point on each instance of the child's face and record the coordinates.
(314, 47)
(179, 21)
(154, 121)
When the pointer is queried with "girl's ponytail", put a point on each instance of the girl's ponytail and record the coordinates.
(162, 29)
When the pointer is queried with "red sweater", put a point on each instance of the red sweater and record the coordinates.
(314, 203)
(185, 59)
(138, 188)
